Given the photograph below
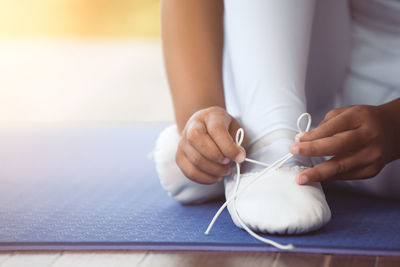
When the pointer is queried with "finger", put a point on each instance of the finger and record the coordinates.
(363, 172)
(194, 173)
(340, 123)
(334, 167)
(337, 144)
(197, 136)
(203, 163)
(333, 113)
(219, 133)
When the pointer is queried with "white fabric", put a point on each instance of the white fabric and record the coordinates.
(265, 59)
(276, 204)
(171, 177)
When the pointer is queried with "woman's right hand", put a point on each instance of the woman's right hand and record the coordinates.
(207, 146)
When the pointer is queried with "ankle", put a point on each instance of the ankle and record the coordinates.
(272, 146)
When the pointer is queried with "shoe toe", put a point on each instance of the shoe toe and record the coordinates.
(276, 204)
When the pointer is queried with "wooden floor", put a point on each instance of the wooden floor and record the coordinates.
(188, 258)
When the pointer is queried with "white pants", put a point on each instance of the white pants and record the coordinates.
(270, 77)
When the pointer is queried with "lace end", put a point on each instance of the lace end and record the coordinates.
(287, 247)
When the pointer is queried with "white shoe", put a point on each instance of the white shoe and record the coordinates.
(171, 177)
(275, 203)
(269, 200)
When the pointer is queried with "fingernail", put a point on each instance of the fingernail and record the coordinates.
(220, 179)
(225, 161)
(228, 172)
(303, 179)
(240, 157)
(294, 149)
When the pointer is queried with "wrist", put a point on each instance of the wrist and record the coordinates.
(390, 114)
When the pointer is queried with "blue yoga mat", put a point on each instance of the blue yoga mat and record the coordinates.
(95, 187)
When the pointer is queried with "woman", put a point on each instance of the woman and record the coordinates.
(243, 65)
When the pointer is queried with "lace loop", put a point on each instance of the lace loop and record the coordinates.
(299, 122)
(239, 136)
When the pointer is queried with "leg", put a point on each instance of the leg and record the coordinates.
(266, 47)
(265, 60)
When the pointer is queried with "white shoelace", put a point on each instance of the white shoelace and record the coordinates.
(275, 165)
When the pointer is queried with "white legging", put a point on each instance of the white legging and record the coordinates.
(266, 49)
(265, 59)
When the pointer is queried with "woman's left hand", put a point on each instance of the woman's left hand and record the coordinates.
(362, 140)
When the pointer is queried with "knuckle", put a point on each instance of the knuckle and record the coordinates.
(311, 134)
(213, 129)
(231, 151)
(196, 159)
(374, 134)
(363, 111)
(331, 113)
(214, 109)
(340, 167)
(322, 174)
(306, 149)
(190, 172)
(376, 155)
(302, 148)
(364, 134)
(312, 148)
(197, 116)
(216, 157)
(372, 131)
(328, 130)
(317, 175)
(193, 134)
(225, 169)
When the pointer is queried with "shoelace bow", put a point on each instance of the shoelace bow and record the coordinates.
(275, 165)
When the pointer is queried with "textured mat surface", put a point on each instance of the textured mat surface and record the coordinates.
(94, 187)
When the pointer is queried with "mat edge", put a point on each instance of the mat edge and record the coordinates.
(187, 247)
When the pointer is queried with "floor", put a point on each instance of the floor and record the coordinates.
(188, 258)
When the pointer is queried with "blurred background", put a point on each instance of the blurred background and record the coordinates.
(82, 60)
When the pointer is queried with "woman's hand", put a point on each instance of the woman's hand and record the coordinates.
(207, 146)
(361, 139)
